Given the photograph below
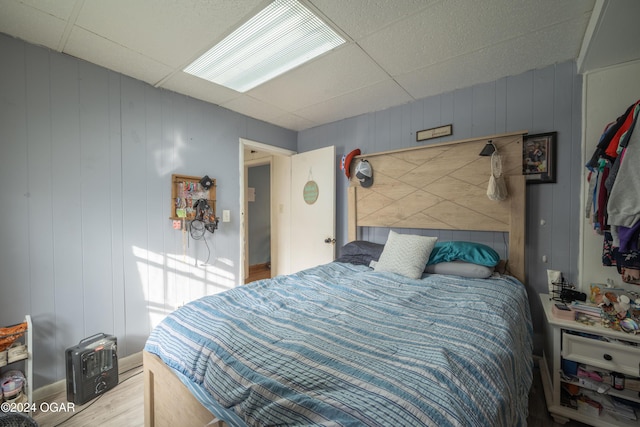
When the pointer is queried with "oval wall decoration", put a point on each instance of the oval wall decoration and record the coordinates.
(310, 192)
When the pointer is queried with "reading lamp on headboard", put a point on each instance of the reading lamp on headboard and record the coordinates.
(488, 149)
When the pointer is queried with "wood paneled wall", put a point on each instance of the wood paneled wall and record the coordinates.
(543, 100)
(86, 241)
(87, 155)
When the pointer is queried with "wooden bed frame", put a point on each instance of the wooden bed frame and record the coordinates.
(437, 186)
(168, 402)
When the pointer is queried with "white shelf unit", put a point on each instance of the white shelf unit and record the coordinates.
(27, 339)
(608, 355)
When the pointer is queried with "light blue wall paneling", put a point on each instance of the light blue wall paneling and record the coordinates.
(259, 216)
(537, 101)
(135, 212)
(93, 193)
(484, 109)
(115, 226)
(69, 312)
(462, 113)
(86, 241)
(14, 176)
(40, 201)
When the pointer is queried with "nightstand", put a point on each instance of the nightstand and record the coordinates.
(604, 349)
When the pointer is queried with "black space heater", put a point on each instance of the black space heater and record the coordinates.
(92, 368)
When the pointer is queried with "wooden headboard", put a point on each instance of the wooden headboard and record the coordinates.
(444, 187)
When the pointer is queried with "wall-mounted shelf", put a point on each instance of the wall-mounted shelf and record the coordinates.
(186, 191)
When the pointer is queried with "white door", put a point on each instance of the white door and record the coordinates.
(313, 208)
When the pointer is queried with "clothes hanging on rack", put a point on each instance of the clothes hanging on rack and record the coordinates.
(614, 187)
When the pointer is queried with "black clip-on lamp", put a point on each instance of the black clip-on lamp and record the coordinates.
(488, 149)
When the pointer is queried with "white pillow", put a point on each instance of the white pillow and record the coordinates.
(406, 254)
(460, 268)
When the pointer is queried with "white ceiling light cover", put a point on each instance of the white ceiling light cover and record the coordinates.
(282, 36)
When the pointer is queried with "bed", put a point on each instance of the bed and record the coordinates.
(347, 344)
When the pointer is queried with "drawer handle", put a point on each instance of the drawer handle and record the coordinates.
(607, 357)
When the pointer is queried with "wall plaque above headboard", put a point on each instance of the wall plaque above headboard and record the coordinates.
(442, 186)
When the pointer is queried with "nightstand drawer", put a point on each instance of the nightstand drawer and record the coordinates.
(612, 356)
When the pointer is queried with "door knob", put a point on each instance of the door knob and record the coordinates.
(330, 240)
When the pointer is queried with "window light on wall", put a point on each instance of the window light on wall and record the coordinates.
(282, 36)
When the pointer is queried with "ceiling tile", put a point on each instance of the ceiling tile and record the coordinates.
(100, 51)
(32, 25)
(59, 8)
(253, 108)
(508, 58)
(293, 122)
(372, 98)
(198, 88)
(175, 33)
(360, 18)
(398, 51)
(322, 79)
(457, 27)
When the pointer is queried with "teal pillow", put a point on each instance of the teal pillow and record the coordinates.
(476, 253)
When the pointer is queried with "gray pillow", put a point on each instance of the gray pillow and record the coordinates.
(360, 252)
(406, 254)
(461, 268)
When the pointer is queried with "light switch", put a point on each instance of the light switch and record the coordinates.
(226, 215)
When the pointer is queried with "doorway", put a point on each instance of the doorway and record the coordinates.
(291, 175)
(258, 216)
(258, 155)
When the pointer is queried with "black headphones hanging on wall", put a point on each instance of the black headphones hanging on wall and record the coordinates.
(206, 182)
(201, 208)
(204, 214)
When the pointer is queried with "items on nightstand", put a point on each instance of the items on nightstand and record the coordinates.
(590, 391)
(589, 406)
(564, 291)
(588, 311)
(563, 311)
(620, 309)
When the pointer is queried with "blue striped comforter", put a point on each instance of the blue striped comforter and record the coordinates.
(342, 345)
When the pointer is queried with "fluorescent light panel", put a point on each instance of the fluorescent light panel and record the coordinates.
(282, 36)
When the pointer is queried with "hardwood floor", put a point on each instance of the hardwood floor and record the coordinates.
(259, 271)
(123, 406)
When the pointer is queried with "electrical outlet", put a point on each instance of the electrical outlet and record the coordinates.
(226, 215)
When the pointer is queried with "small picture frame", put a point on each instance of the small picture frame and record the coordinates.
(438, 132)
(539, 158)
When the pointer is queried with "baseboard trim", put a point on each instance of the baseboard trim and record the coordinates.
(124, 364)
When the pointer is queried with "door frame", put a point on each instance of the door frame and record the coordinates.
(243, 267)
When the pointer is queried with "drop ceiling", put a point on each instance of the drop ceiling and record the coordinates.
(397, 50)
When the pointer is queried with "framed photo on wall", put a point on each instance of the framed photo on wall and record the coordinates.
(539, 157)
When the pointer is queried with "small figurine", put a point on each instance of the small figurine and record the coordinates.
(622, 306)
(596, 295)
